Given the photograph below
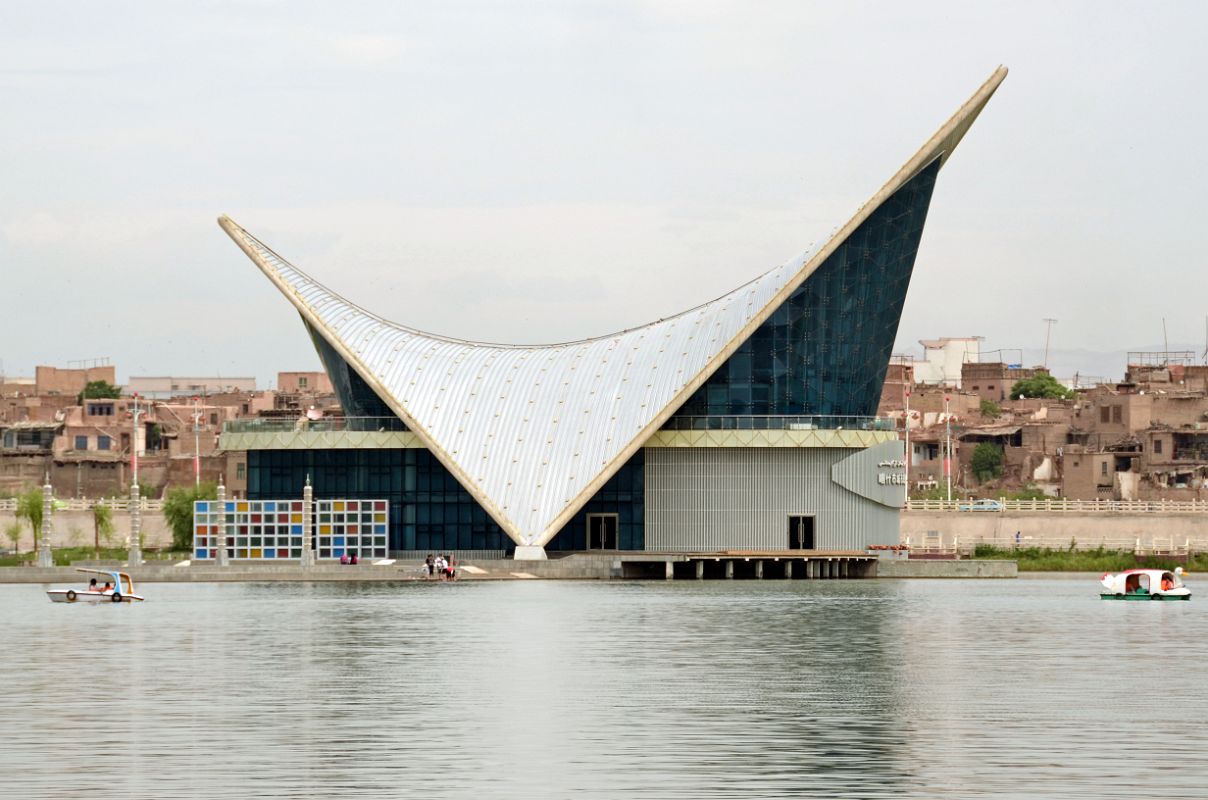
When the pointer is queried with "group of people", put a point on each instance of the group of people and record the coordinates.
(92, 586)
(443, 566)
(349, 558)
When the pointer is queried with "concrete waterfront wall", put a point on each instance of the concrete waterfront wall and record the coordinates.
(1039, 529)
(74, 528)
(917, 568)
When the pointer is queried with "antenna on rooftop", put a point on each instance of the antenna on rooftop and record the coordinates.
(1165, 344)
(1204, 357)
(1048, 332)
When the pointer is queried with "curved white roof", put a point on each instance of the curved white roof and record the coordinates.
(532, 432)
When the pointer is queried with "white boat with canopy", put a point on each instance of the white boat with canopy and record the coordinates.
(117, 588)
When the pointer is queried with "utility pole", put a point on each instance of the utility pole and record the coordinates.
(1049, 322)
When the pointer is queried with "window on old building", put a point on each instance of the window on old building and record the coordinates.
(102, 442)
(100, 409)
(81, 443)
(240, 471)
(1116, 415)
(1157, 447)
(214, 419)
(1102, 467)
(301, 383)
(1105, 414)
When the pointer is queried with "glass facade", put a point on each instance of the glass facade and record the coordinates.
(624, 495)
(356, 397)
(429, 509)
(826, 349)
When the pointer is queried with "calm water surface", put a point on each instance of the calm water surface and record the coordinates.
(1030, 688)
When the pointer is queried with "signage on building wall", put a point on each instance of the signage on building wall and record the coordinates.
(877, 473)
(894, 478)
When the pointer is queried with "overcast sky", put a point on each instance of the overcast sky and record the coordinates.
(546, 171)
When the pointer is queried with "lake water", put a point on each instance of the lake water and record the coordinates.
(1028, 688)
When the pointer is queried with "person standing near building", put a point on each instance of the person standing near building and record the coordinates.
(429, 565)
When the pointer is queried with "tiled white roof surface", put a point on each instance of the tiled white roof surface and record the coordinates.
(533, 431)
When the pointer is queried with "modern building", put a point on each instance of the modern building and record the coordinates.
(944, 359)
(747, 422)
(164, 387)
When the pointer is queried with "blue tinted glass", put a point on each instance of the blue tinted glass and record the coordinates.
(826, 349)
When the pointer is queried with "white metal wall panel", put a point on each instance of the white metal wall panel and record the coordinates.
(740, 498)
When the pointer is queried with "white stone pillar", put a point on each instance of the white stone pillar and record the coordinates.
(134, 555)
(529, 552)
(220, 553)
(46, 557)
(308, 524)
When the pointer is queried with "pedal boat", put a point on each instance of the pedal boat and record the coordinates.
(122, 590)
(1144, 584)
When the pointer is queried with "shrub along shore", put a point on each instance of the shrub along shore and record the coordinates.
(1044, 559)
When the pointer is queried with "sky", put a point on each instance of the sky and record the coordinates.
(538, 171)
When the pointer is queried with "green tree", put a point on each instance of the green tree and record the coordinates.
(155, 436)
(99, 390)
(990, 409)
(29, 508)
(102, 527)
(1042, 385)
(986, 461)
(13, 532)
(178, 511)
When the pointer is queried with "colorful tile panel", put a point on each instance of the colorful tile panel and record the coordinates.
(272, 529)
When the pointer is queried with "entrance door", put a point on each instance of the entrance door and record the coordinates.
(601, 531)
(801, 532)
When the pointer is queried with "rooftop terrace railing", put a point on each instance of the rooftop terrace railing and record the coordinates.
(721, 422)
(775, 422)
(284, 424)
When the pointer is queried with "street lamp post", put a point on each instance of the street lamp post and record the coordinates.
(134, 556)
(196, 442)
(908, 445)
(948, 446)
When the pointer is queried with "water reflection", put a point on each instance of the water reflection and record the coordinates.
(533, 689)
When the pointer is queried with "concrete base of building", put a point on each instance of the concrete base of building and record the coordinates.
(529, 553)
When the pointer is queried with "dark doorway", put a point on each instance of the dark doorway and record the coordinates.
(801, 533)
(601, 531)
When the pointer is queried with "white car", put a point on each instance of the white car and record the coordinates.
(980, 505)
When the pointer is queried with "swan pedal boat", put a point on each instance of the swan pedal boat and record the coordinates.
(1144, 584)
(122, 590)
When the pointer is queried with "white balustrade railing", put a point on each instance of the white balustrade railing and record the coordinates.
(87, 504)
(1062, 506)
